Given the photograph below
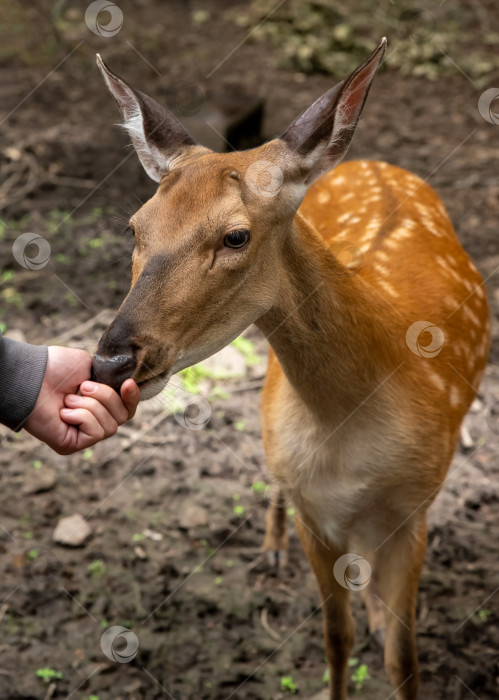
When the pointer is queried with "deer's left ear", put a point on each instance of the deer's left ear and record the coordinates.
(157, 135)
(320, 137)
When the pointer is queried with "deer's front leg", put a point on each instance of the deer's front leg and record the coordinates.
(337, 618)
(275, 543)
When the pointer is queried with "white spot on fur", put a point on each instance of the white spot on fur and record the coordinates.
(436, 380)
(455, 397)
(388, 288)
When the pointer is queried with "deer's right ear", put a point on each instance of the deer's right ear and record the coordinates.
(158, 137)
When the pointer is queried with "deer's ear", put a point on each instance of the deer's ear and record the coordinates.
(322, 134)
(157, 135)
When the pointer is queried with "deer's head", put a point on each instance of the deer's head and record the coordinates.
(209, 243)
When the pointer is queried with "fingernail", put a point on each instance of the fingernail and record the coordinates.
(89, 387)
(66, 411)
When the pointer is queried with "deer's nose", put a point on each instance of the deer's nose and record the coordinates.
(113, 369)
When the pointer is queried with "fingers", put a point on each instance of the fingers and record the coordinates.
(108, 398)
(103, 417)
(130, 395)
(90, 430)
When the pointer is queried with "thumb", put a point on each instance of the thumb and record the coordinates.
(130, 395)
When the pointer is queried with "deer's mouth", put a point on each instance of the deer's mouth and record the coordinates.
(153, 385)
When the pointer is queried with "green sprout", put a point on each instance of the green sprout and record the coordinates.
(97, 568)
(37, 464)
(288, 685)
(240, 425)
(259, 487)
(48, 674)
(359, 677)
(239, 510)
(138, 537)
(32, 554)
(484, 615)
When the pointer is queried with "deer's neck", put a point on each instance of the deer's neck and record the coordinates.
(328, 328)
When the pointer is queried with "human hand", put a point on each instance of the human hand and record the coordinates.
(67, 422)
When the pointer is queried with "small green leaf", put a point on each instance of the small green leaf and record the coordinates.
(288, 684)
(48, 674)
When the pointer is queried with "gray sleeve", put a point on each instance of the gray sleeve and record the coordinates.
(22, 368)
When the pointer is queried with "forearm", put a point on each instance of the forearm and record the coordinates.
(22, 368)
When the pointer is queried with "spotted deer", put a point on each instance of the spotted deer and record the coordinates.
(378, 328)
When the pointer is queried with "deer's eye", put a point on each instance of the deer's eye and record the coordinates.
(237, 239)
(130, 230)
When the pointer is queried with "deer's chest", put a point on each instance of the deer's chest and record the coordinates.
(336, 474)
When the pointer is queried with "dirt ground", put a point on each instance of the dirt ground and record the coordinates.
(177, 515)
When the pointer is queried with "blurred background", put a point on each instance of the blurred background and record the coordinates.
(175, 516)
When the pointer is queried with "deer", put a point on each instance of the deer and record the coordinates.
(378, 327)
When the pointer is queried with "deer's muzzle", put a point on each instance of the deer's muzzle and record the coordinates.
(113, 370)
